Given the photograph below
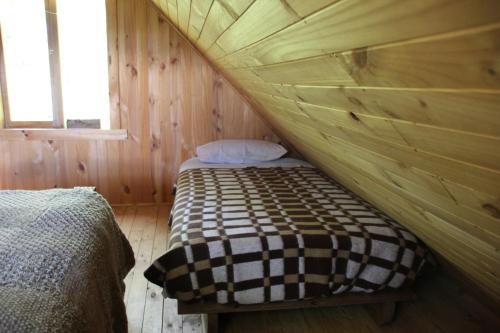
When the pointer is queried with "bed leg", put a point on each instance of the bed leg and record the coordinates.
(210, 322)
(384, 313)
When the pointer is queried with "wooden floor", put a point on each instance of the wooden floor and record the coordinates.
(440, 307)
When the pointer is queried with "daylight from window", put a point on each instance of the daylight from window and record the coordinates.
(84, 60)
(26, 58)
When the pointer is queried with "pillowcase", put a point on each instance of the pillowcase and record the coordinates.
(239, 151)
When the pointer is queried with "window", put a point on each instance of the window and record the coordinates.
(26, 62)
(54, 64)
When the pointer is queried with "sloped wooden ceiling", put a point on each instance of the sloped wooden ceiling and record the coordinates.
(399, 100)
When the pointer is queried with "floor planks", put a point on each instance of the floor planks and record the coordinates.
(146, 229)
(442, 306)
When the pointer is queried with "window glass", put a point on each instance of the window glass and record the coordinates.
(26, 55)
(84, 60)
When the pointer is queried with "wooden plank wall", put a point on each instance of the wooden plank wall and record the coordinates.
(397, 99)
(168, 97)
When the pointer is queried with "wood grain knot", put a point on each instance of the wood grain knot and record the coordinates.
(360, 57)
(81, 167)
(155, 143)
(354, 116)
(422, 103)
(493, 210)
(126, 189)
(133, 70)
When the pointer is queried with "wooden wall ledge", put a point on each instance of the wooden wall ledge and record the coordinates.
(42, 134)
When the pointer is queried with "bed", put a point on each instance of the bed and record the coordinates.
(280, 234)
(63, 259)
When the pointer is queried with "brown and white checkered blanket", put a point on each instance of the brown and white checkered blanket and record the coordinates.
(258, 235)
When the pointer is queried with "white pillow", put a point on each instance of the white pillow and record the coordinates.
(239, 151)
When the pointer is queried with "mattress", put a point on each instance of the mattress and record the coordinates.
(287, 162)
(63, 259)
(253, 235)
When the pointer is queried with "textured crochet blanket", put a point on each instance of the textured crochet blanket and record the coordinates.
(63, 259)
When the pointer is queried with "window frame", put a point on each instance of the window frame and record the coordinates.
(54, 63)
(55, 77)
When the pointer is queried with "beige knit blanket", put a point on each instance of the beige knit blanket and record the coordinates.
(63, 259)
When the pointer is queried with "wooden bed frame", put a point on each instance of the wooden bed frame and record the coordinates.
(385, 308)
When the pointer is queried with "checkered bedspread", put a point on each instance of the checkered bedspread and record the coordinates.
(258, 235)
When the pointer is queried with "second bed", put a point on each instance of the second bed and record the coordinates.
(278, 231)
